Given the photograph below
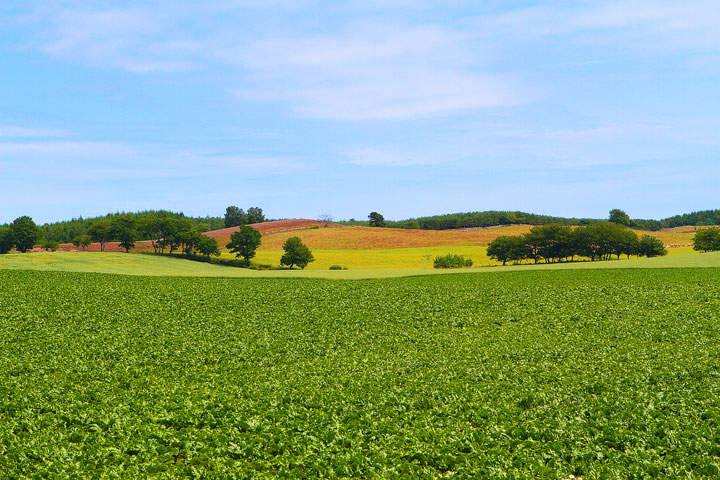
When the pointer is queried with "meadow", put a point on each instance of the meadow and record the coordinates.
(608, 374)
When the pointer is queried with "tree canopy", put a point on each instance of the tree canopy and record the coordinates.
(7, 241)
(556, 243)
(296, 253)
(101, 231)
(620, 217)
(707, 240)
(25, 233)
(234, 216)
(123, 229)
(376, 220)
(244, 242)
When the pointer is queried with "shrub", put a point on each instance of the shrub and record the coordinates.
(452, 261)
(707, 240)
(50, 245)
(337, 267)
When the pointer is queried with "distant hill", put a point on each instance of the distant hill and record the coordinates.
(494, 218)
(64, 232)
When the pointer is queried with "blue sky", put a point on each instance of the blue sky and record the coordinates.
(409, 108)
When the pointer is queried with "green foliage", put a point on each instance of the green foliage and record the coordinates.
(235, 216)
(296, 253)
(25, 233)
(123, 229)
(707, 240)
(245, 242)
(337, 267)
(649, 246)
(7, 241)
(101, 231)
(620, 217)
(452, 261)
(600, 374)
(65, 231)
(482, 219)
(507, 247)
(376, 220)
(50, 245)
(255, 215)
(82, 241)
(208, 246)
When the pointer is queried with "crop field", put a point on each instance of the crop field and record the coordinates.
(376, 259)
(609, 374)
(368, 238)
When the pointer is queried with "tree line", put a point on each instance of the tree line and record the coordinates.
(557, 243)
(66, 231)
(498, 218)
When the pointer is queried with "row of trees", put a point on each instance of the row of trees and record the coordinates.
(496, 218)
(169, 233)
(557, 243)
(66, 231)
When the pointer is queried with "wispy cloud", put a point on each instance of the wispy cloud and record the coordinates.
(16, 131)
(112, 161)
(353, 71)
(640, 24)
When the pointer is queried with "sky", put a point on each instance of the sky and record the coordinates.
(408, 108)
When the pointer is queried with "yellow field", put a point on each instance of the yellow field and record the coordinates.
(389, 259)
(152, 265)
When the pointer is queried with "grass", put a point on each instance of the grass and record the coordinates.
(379, 259)
(539, 374)
(145, 264)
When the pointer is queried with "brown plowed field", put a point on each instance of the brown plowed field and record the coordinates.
(371, 238)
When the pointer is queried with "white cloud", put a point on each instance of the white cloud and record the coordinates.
(390, 72)
(111, 161)
(640, 24)
(352, 71)
(15, 131)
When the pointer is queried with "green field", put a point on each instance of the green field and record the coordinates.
(533, 374)
(146, 264)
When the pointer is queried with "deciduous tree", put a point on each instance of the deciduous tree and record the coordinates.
(100, 232)
(255, 215)
(243, 243)
(7, 242)
(296, 253)
(82, 241)
(707, 240)
(208, 246)
(620, 217)
(650, 246)
(25, 233)
(235, 216)
(376, 220)
(122, 228)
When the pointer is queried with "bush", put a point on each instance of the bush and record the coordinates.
(337, 267)
(707, 240)
(50, 245)
(452, 261)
